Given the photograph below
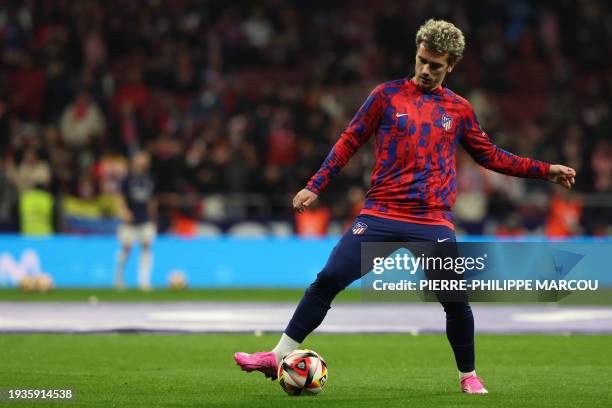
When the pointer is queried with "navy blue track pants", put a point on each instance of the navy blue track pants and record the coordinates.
(343, 267)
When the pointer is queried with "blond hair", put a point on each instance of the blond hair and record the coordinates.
(441, 37)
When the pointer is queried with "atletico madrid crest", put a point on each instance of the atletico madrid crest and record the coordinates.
(359, 228)
(447, 122)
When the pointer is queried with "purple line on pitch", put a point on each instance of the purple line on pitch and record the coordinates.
(219, 317)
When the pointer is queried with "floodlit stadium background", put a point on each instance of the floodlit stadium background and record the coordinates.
(239, 105)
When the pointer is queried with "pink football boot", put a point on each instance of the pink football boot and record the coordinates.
(264, 361)
(473, 385)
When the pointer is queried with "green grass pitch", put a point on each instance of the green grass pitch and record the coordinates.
(364, 371)
(600, 297)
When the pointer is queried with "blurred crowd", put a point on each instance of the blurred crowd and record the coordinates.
(238, 103)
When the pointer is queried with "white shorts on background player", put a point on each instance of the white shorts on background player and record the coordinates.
(142, 233)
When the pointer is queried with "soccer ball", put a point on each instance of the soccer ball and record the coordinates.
(44, 283)
(27, 284)
(302, 372)
(177, 280)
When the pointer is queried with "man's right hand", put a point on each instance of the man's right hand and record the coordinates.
(303, 199)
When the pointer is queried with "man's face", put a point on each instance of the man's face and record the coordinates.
(430, 68)
(140, 162)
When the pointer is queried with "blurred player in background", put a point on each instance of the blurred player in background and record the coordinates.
(418, 123)
(138, 209)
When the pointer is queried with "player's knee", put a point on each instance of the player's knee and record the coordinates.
(126, 249)
(457, 309)
(324, 289)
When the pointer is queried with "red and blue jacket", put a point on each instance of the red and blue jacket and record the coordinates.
(416, 136)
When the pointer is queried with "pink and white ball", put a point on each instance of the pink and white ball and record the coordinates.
(302, 372)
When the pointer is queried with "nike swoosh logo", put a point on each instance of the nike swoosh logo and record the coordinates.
(399, 115)
(442, 240)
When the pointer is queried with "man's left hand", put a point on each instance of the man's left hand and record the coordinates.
(562, 175)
